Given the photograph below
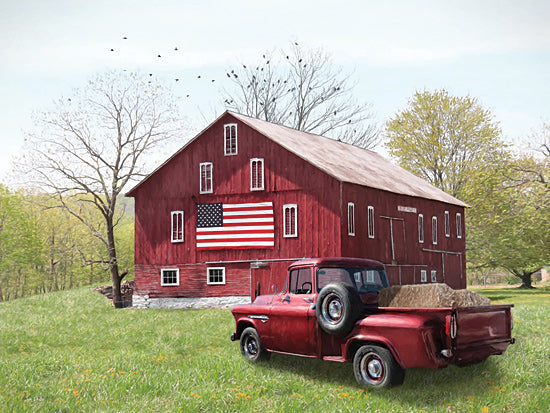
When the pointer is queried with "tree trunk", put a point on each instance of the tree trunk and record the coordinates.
(113, 264)
(526, 279)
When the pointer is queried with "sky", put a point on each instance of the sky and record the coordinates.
(495, 51)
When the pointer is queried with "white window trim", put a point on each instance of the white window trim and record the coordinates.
(434, 276)
(295, 207)
(423, 276)
(211, 189)
(208, 269)
(370, 221)
(162, 283)
(172, 215)
(227, 127)
(421, 228)
(458, 225)
(434, 230)
(447, 224)
(261, 162)
(351, 219)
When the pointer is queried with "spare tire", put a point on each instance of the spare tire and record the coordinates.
(338, 307)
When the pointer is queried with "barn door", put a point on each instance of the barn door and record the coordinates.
(259, 280)
(396, 239)
(452, 270)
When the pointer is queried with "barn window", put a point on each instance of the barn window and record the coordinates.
(351, 218)
(230, 139)
(423, 276)
(170, 276)
(420, 228)
(458, 225)
(257, 174)
(370, 221)
(434, 276)
(434, 230)
(290, 220)
(216, 275)
(206, 178)
(177, 226)
(447, 224)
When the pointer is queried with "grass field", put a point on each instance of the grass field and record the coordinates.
(71, 351)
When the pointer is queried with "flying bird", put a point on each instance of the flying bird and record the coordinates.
(159, 56)
(124, 38)
(176, 48)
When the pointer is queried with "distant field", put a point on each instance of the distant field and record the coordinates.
(71, 351)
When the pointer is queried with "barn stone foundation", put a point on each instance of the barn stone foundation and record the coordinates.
(144, 301)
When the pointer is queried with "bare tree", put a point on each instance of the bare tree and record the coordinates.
(93, 144)
(303, 90)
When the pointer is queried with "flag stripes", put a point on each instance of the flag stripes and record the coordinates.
(227, 226)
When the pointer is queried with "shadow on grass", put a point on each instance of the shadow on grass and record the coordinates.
(423, 388)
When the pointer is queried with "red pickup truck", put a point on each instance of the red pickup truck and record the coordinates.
(329, 309)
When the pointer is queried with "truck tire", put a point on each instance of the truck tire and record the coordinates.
(251, 346)
(338, 307)
(375, 367)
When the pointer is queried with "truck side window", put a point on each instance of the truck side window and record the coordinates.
(300, 281)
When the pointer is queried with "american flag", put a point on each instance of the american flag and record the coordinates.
(226, 226)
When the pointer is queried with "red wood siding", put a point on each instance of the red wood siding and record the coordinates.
(288, 180)
(193, 281)
(322, 220)
(396, 219)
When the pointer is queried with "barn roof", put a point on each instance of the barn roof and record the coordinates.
(344, 162)
(349, 163)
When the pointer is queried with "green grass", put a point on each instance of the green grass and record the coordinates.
(71, 351)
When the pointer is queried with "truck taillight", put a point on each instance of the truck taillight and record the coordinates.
(453, 326)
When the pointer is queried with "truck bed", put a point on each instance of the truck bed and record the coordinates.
(476, 332)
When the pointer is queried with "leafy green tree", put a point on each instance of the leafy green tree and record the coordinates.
(19, 246)
(444, 138)
(455, 144)
(508, 223)
(94, 143)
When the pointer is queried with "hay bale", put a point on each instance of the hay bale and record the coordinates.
(429, 296)
(468, 298)
(420, 296)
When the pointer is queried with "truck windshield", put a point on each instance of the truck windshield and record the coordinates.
(365, 280)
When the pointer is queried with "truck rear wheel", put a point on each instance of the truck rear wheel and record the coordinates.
(338, 307)
(375, 367)
(251, 346)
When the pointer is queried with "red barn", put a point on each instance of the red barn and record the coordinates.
(226, 214)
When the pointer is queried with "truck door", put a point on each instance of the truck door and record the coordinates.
(292, 317)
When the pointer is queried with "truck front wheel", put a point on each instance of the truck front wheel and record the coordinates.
(251, 346)
(375, 367)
